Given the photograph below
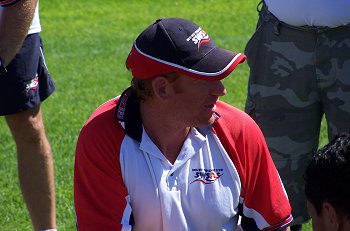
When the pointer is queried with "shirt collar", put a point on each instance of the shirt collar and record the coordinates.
(128, 112)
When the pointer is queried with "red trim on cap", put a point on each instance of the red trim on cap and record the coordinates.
(149, 68)
(152, 67)
(239, 58)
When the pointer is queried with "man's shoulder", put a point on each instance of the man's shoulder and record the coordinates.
(103, 120)
(235, 123)
(231, 114)
(105, 110)
(223, 106)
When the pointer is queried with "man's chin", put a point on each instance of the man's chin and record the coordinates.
(210, 121)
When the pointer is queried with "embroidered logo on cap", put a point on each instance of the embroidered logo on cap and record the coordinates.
(199, 37)
(207, 176)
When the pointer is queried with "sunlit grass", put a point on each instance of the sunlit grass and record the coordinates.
(86, 43)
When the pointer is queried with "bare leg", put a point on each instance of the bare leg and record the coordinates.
(35, 166)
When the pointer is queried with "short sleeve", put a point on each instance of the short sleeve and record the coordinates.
(264, 204)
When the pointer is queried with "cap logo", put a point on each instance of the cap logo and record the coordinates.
(199, 37)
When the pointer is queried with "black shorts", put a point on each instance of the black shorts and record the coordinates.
(27, 82)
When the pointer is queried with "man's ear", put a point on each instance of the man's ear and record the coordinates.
(332, 219)
(160, 87)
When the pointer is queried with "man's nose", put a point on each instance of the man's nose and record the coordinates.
(219, 88)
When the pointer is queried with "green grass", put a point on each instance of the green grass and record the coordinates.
(86, 43)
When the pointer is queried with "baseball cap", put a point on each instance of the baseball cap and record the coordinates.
(179, 45)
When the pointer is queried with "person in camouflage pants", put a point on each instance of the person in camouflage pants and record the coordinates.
(297, 75)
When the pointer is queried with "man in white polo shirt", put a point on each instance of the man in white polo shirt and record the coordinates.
(24, 84)
(299, 60)
(167, 154)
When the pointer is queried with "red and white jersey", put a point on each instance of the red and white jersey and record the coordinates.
(122, 181)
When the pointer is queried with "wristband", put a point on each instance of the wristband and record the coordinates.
(3, 70)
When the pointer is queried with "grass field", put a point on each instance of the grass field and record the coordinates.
(86, 43)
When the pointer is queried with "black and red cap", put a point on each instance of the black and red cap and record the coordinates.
(178, 45)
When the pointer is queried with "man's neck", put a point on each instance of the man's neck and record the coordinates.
(168, 136)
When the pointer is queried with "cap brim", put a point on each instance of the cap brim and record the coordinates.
(216, 65)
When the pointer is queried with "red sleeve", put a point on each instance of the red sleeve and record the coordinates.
(263, 197)
(7, 2)
(99, 191)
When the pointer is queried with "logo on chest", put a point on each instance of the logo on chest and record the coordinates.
(206, 176)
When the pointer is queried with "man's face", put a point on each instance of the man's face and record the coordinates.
(317, 220)
(327, 220)
(194, 101)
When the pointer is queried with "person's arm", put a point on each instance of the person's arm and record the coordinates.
(264, 204)
(100, 196)
(15, 19)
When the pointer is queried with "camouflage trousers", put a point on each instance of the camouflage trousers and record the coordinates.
(297, 75)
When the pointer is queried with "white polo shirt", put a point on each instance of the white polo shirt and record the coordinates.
(35, 27)
(200, 191)
(330, 13)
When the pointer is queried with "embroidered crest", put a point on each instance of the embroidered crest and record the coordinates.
(199, 37)
(207, 176)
